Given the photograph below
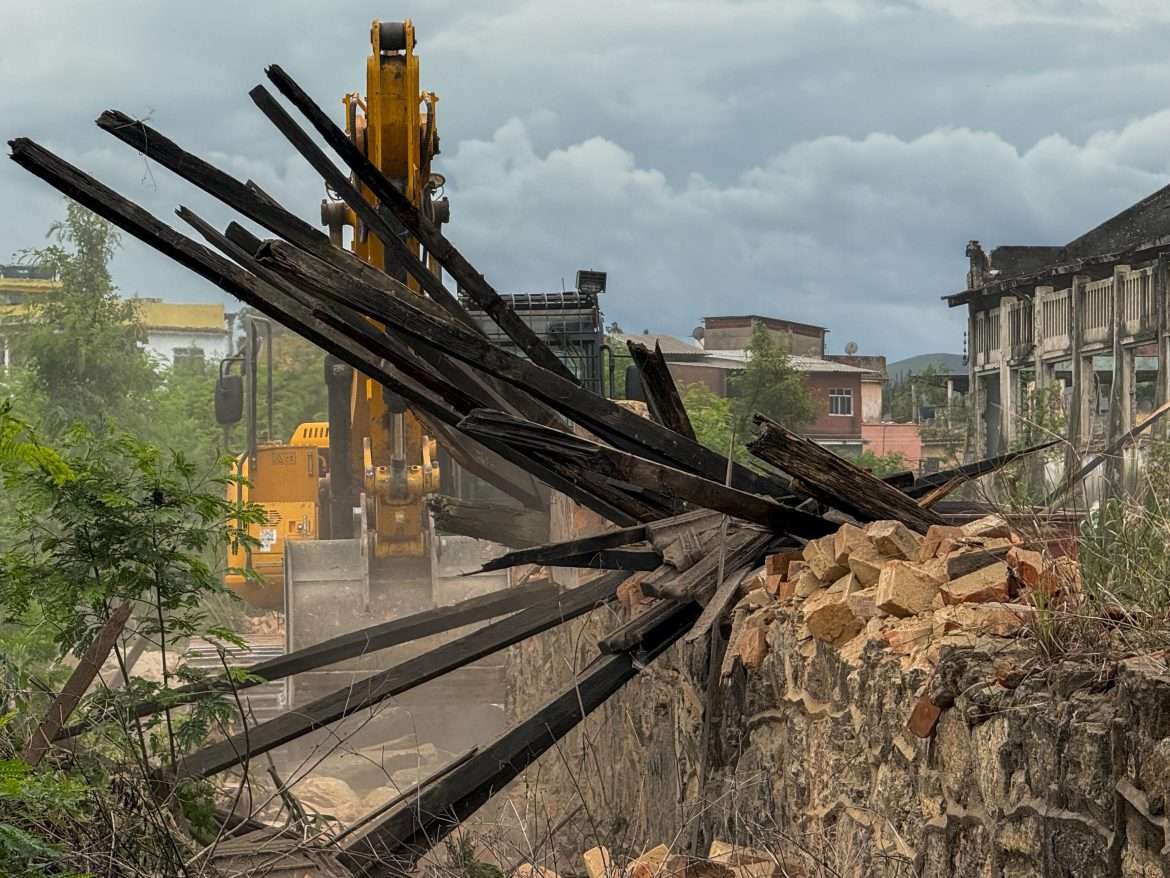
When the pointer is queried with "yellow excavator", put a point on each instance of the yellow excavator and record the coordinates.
(348, 540)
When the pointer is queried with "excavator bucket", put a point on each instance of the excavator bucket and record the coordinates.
(331, 588)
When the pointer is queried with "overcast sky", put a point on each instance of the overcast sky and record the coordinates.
(819, 161)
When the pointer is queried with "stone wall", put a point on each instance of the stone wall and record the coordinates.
(1066, 774)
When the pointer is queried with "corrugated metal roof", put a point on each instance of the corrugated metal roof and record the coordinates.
(670, 344)
(737, 359)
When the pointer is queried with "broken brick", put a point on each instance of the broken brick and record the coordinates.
(924, 717)
(894, 539)
(865, 563)
(598, 863)
(829, 618)
(905, 589)
(818, 554)
(988, 526)
(863, 603)
(807, 584)
(981, 587)
(630, 594)
(935, 535)
(752, 647)
(909, 636)
(847, 537)
(778, 563)
(649, 864)
(1029, 568)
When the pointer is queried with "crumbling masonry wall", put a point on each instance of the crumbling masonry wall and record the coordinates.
(1066, 774)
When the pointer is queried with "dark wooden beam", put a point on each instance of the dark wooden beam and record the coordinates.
(834, 480)
(629, 559)
(318, 326)
(662, 396)
(76, 686)
(355, 644)
(399, 678)
(496, 522)
(399, 206)
(256, 206)
(553, 554)
(394, 846)
(595, 458)
(974, 470)
(600, 416)
(396, 249)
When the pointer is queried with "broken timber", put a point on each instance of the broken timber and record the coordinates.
(554, 554)
(471, 281)
(394, 846)
(268, 299)
(662, 397)
(76, 686)
(835, 481)
(495, 522)
(593, 457)
(400, 678)
(356, 644)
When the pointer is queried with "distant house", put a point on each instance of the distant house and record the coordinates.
(178, 330)
(20, 287)
(173, 329)
(848, 388)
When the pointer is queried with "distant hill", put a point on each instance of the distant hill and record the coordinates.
(897, 371)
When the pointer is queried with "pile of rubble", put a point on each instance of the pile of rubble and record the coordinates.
(912, 594)
(723, 860)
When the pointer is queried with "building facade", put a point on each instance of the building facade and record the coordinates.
(1085, 324)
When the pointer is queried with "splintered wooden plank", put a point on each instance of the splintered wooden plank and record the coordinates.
(358, 643)
(967, 471)
(470, 281)
(399, 678)
(319, 326)
(253, 204)
(553, 554)
(666, 406)
(393, 846)
(669, 481)
(629, 559)
(496, 522)
(76, 686)
(602, 417)
(397, 250)
(658, 533)
(1114, 449)
(744, 547)
(836, 481)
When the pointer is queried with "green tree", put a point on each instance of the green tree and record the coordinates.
(880, 464)
(100, 520)
(82, 349)
(712, 419)
(769, 385)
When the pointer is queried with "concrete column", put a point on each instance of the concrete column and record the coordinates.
(975, 399)
(1162, 333)
(1128, 388)
(1118, 398)
(1078, 395)
(1007, 413)
(1043, 375)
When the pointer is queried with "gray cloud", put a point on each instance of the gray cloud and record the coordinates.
(823, 161)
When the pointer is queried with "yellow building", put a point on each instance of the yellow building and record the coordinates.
(182, 329)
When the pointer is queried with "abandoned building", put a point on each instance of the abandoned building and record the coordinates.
(1089, 317)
